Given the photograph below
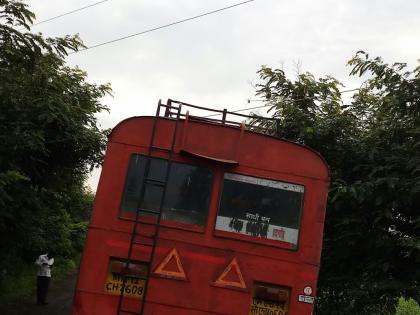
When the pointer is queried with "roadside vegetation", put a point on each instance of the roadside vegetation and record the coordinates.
(371, 249)
(49, 143)
(20, 285)
(407, 307)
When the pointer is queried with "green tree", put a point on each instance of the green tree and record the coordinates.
(371, 249)
(49, 140)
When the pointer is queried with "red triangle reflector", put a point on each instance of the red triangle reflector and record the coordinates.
(171, 267)
(231, 276)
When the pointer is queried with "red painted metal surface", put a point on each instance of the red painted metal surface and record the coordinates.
(204, 253)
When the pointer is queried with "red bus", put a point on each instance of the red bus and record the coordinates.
(197, 215)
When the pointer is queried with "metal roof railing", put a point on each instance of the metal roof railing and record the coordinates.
(172, 106)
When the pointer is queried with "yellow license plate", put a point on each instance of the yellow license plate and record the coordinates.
(133, 287)
(264, 307)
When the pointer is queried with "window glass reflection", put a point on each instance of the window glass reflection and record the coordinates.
(187, 194)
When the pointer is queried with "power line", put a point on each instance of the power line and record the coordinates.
(164, 26)
(256, 107)
(244, 109)
(267, 105)
(308, 98)
(70, 12)
(239, 110)
(352, 90)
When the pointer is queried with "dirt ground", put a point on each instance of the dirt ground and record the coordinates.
(60, 297)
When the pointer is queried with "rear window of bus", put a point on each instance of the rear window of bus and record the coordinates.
(187, 194)
(260, 209)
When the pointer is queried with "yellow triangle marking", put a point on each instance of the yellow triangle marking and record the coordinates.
(237, 284)
(160, 270)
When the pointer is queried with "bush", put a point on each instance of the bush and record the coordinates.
(408, 307)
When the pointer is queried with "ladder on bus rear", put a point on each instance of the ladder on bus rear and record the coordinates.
(171, 112)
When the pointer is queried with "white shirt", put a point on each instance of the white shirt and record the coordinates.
(44, 264)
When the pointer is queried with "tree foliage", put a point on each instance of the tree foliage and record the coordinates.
(49, 140)
(371, 245)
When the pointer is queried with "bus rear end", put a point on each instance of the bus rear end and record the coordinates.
(240, 228)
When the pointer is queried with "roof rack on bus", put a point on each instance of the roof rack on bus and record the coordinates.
(210, 116)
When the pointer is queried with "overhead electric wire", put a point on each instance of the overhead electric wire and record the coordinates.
(267, 105)
(163, 26)
(70, 12)
(302, 99)
(352, 90)
(237, 111)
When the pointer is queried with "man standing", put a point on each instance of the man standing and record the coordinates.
(44, 263)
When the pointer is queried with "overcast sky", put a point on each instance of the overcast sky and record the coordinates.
(212, 61)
